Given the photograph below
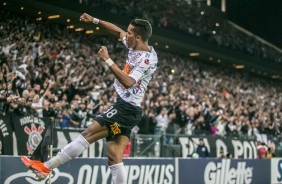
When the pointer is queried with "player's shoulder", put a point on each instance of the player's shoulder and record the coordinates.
(150, 57)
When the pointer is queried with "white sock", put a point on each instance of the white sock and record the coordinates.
(70, 151)
(118, 173)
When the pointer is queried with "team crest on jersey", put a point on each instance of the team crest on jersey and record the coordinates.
(34, 137)
(147, 61)
(115, 129)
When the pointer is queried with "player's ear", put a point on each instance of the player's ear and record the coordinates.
(138, 37)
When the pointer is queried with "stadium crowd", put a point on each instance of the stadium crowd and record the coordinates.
(51, 71)
(196, 19)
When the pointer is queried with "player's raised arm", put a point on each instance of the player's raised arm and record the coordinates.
(124, 79)
(113, 29)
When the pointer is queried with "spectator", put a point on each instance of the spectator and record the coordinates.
(221, 154)
(66, 120)
(202, 150)
(147, 124)
(270, 153)
(162, 121)
(229, 155)
(261, 150)
(37, 103)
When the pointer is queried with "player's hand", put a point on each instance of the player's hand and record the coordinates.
(103, 53)
(86, 18)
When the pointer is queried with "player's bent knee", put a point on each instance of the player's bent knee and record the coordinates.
(86, 132)
(114, 156)
(114, 159)
(94, 132)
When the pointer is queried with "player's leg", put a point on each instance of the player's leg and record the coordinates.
(93, 133)
(115, 149)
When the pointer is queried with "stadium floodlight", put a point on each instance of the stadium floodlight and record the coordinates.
(89, 32)
(193, 54)
(70, 27)
(275, 76)
(79, 29)
(239, 66)
(53, 16)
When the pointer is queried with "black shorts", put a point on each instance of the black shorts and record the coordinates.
(120, 118)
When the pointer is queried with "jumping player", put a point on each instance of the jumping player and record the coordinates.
(116, 123)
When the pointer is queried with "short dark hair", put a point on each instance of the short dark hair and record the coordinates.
(143, 28)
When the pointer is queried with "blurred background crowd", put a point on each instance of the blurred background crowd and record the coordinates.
(196, 19)
(51, 71)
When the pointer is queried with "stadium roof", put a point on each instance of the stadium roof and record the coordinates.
(263, 18)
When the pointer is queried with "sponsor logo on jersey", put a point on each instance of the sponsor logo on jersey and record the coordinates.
(135, 91)
(115, 129)
(126, 69)
(137, 88)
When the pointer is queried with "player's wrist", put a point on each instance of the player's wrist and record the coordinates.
(109, 62)
(95, 20)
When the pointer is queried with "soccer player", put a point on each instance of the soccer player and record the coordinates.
(116, 123)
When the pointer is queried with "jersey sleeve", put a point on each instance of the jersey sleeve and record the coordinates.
(124, 42)
(140, 69)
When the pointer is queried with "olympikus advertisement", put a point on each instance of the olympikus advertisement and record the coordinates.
(92, 171)
(151, 171)
(224, 171)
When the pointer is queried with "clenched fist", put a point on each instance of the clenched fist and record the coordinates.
(103, 53)
(86, 18)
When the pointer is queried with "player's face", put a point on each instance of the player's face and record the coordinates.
(131, 38)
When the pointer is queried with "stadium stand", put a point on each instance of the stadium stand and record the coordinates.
(200, 98)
